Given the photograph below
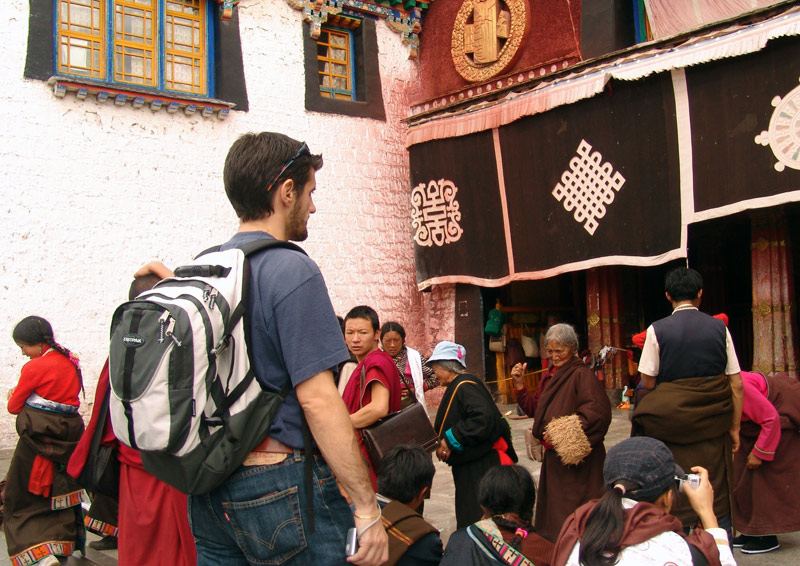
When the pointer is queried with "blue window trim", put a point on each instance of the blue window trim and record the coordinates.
(351, 53)
(108, 46)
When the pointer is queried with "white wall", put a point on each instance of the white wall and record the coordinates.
(92, 191)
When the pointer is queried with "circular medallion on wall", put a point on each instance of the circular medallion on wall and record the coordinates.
(487, 35)
(783, 135)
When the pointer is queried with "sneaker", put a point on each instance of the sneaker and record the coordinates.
(50, 560)
(105, 543)
(760, 545)
(741, 540)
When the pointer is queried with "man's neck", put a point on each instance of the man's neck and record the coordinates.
(271, 225)
(682, 305)
(363, 357)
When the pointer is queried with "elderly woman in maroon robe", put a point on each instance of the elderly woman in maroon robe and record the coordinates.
(571, 417)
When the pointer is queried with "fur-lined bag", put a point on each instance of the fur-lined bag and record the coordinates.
(568, 439)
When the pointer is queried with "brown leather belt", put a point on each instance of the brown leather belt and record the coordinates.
(268, 453)
(269, 444)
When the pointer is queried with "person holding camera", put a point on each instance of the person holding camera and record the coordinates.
(631, 524)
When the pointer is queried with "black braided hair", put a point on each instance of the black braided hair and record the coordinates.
(509, 489)
(504, 523)
(33, 330)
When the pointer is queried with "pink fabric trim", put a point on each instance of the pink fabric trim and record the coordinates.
(566, 268)
(501, 183)
(540, 99)
(668, 17)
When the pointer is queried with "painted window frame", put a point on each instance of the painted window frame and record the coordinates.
(348, 93)
(109, 46)
(368, 101)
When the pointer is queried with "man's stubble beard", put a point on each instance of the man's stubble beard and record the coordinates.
(297, 227)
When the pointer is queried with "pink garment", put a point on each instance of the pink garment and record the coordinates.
(758, 409)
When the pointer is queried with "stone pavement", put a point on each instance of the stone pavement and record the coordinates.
(439, 509)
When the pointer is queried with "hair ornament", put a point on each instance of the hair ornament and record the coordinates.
(620, 487)
(72, 357)
(522, 532)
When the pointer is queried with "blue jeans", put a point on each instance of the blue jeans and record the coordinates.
(260, 516)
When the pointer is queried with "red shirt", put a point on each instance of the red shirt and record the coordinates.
(51, 376)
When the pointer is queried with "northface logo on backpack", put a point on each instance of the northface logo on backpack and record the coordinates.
(132, 341)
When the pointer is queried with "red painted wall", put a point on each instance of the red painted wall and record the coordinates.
(553, 36)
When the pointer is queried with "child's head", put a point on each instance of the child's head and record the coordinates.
(32, 331)
(141, 284)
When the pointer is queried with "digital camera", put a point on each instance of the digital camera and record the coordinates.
(693, 480)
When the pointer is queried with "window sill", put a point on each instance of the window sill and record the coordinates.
(138, 98)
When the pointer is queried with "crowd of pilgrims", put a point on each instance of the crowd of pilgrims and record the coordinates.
(591, 507)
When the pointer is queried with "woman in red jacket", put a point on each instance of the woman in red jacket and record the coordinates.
(42, 515)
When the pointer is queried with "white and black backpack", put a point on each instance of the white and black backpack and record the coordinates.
(183, 388)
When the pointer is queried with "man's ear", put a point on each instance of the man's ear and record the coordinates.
(419, 498)
(286, 192)
(667, 295)
(699, 295)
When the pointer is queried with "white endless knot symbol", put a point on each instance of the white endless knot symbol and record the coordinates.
(436, 213)
(588, 186)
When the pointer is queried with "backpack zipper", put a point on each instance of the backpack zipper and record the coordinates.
(162, 321)
(170, 330)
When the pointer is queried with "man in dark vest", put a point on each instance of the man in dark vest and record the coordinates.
(689, 363)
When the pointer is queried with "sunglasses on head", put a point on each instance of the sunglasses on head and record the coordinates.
(300, 153)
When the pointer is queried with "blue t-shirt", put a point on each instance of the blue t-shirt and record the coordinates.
(294, 333)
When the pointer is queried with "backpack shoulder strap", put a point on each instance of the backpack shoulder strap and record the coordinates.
(254, 246)
(249, 248)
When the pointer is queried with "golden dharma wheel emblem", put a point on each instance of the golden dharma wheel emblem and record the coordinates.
(487, 35)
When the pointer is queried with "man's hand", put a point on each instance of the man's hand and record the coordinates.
(735, 438)
(753, 461)
(517, 373)
(373, 543)
(154, 268)
(737, 396)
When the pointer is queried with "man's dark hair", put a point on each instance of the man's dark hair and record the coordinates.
(683, 284)
(141, 284)
(253, 163)
(363, 311)
(405, 471)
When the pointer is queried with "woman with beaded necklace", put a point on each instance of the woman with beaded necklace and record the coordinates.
(504, 535)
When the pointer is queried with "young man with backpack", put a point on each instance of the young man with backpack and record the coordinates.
(263, 512)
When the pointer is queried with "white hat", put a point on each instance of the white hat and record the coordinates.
(449, 351)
